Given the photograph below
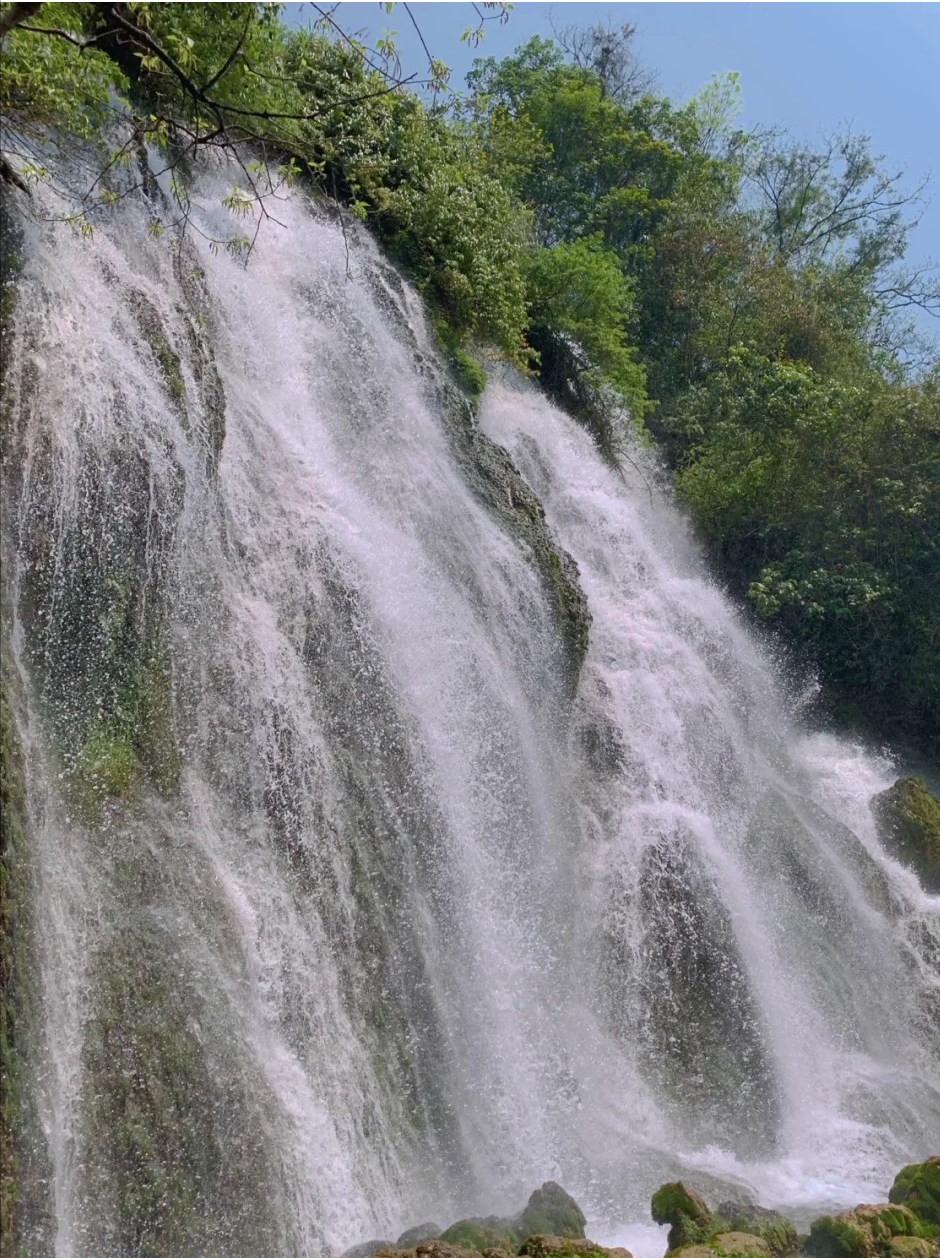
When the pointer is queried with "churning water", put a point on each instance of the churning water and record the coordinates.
(351, 910)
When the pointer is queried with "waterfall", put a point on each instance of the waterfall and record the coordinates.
(359, 897)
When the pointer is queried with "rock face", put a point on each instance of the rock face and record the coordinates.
(918, 1187)
(908, 818)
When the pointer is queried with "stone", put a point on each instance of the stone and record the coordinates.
(421, 1232)
(544, 1246)
(908, 818)
(550, 1211)
(918, 1187)
(772, 1227)
(367, 1249)
(689, 1217)
(912, 1247)
(743, 1243)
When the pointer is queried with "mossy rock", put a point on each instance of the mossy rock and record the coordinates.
(481, 1234)
(908, 818)
(912, 1247)
(777, 1231)
(551, 1212)
(543, 1246)
(740, 1244)
(918, 1187)
(684, 1210)
(415, 1235)
(865, 1232)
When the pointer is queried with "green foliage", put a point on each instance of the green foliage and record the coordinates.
(739, 294)
(823, 499)
(47, 83)
(578, 291)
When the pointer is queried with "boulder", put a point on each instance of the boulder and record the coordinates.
(865, 1232)
(550, 1211)
(918, 1187)
(745, 1244)
(367, 1249)
(414, 1235)
(913, 1247)
(769, 1225)
(684, 1210)
(908, 818)
(542, 1246)
(481, 1234)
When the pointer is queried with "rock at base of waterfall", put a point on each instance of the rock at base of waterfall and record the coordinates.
(867, 1232)
(542, 1246)
(415, 1235)
(769, 1225)
(684, 1210)
(551, 1211)
(908, 818)
(918, 1187)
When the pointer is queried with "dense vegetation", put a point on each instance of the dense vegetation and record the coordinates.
(740, 298)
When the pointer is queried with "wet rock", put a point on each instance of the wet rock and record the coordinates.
(684, 1210)
(865, 1232)
(918, 1187)
(913, 1247)
(543, 1246)
(368, 1248)
(745, 1216)
(551, 1211)
(482, 1234)
(908, 818)
(498, 484)
(740, 1243)
(415, 1235)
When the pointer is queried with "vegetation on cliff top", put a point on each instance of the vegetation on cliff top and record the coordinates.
(743, 296)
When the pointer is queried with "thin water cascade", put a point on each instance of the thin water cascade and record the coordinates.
(359, 897)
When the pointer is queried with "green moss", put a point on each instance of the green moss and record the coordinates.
(550, 1210)
(865, 1232)
(689, 1217)
(415, 1235)
(542, 1246)
(467, 371)
(918, 1187)
(838, 1237)
(735, 1244)
(777, 1231)
(107, 763)
(911, 1247)
(480, 1234)
(170, 370)
(908, 819)
(25, 1205)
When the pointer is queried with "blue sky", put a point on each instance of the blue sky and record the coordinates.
(806, 67)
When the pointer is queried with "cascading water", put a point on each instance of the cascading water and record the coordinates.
(351, 907)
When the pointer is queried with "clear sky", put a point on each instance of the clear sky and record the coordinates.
(806, 67)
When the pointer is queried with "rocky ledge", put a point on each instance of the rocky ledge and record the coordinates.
(552, 1225)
